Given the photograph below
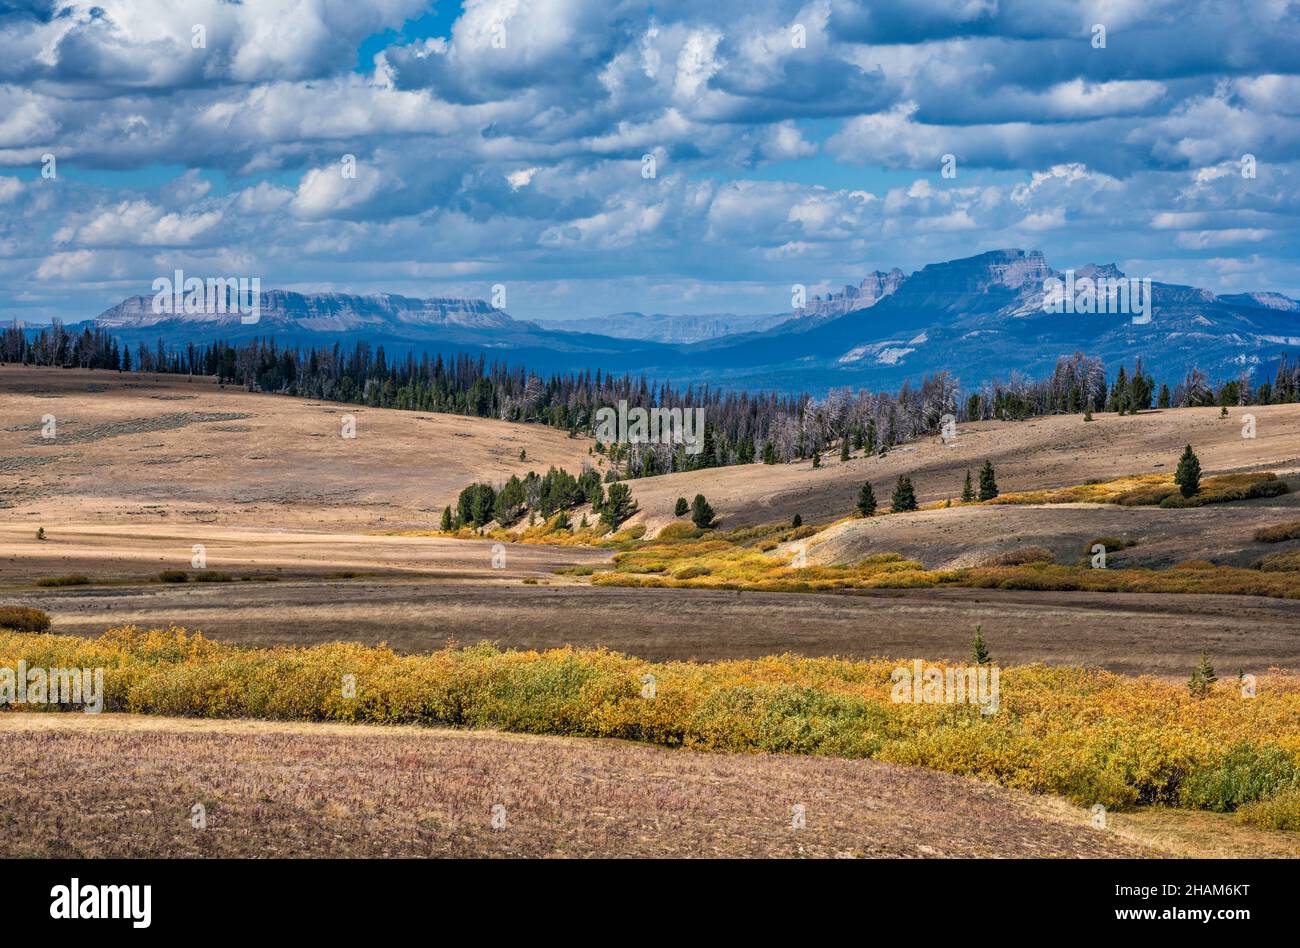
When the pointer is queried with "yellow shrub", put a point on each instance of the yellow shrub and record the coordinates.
(1092, 736)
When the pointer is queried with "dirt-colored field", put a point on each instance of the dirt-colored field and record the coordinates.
(1056, 451)
(116, 507)
(967, 536)
(97, 786)
(134, 552)
(132, 448)
(1131, 633)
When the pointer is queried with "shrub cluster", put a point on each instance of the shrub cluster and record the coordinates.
(1279, 532)
(23, 619)
(1089, 735)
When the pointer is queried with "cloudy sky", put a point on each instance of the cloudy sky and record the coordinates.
(596, 156)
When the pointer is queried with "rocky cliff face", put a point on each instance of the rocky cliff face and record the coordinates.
(319, 312)
(875, 287)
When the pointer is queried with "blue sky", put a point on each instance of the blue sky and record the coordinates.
(509, 141)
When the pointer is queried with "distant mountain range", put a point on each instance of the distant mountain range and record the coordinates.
(671, 329)
(979, 317)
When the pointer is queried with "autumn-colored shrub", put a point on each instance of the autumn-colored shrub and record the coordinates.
(55, 581)
(690, 572)
(680, 531)
(1110, 543)
(1143, 490)
(23, 619)
(1279, 532)
(1090, 735)
(1281, 562)
(1280, 811)
(1020, 556)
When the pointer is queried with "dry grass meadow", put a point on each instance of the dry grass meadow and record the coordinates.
(331, 539)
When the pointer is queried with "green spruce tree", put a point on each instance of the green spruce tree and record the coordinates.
(904, 496)
(1188, 475)
(701, 512)
(968, 490)
(1200, 684)
(979, 654)
(866, 500)
(988, 482)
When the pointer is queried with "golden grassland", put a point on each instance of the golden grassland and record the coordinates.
(1088, 735)
(1140, 490)
(683, 556)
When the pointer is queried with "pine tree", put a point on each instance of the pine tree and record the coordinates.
(618, 505)
(988, 483)
(446, 519)
(1119, 394)
(866, 500)
(979, 654)
(796, 521)
(1163, 401)
(967, 491)
(769, 452)
(1087, 413)
(1188, 475)
(1203, 678)
(844, 448)
(817, 459)
(701, 512)
(708, 456)
(681, 507)
(904, 496)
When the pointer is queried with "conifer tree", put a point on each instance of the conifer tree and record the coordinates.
(866, 500)
(1188, 475)
(904, 496)
(979, 654)
(1203, 678)
(844, 448)
(445, 525)
(988, 482)
(967, 491)
(701, 512)
(618, 505)
(681, 507)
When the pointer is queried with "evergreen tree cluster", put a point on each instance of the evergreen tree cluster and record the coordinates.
(740, 427)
